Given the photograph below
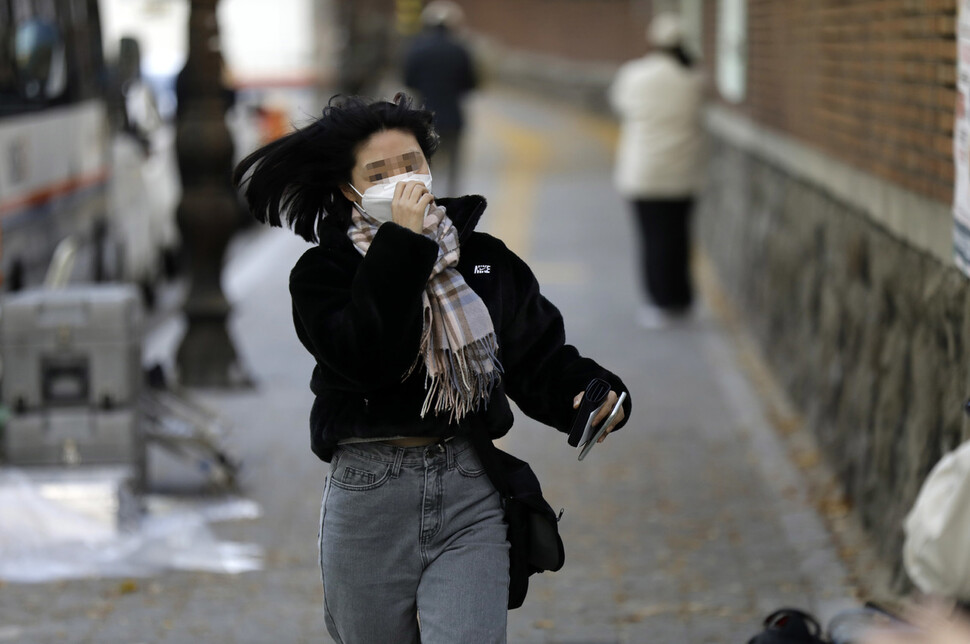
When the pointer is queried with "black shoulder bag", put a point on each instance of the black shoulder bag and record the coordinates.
(533, 526)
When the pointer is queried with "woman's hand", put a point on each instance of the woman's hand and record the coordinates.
(411, 199)
(603, 412)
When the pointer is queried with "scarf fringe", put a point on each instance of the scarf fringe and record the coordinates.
(460, 389)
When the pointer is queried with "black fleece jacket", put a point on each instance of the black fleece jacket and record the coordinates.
(361, 319)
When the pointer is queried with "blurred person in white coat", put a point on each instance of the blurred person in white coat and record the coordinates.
(658, 99)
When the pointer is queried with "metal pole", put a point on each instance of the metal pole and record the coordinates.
(207, 215)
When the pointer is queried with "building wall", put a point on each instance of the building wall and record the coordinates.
(869, 336)
(872, 83)
(571, 30)
(827, 215)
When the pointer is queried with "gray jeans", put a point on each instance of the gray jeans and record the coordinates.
(413, 534)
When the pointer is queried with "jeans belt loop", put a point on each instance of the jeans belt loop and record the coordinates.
(449, 449)
(398, 460)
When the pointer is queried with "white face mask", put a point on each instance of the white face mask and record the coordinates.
(376, 200)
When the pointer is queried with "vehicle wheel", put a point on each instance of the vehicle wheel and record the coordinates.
(148, 294)
(15, 278)
(171, 262)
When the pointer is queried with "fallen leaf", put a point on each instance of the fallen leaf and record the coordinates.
(127, 587)
(807, 459)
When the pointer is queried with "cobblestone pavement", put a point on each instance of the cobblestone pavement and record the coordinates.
(687, 526)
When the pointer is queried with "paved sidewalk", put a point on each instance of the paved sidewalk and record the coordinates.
(687, 526)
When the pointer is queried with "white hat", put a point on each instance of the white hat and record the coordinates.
(442, 12)
(665, 30)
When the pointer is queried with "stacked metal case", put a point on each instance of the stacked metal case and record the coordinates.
(72, 376)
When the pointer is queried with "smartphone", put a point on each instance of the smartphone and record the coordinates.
(589, 444)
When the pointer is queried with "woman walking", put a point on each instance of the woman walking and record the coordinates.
(420, 327)
(659, 99)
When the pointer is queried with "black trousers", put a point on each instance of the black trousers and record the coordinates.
(446, 164)
(664, 226)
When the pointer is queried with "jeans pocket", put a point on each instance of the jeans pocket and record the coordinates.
(467, 464)
(354, 472)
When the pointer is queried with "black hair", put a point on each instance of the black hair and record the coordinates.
(298, 177)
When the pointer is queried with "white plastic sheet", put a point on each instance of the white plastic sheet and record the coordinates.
(43, 540)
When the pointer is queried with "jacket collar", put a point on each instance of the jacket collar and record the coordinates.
(465, 212)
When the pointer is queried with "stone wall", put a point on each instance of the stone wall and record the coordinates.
(869, 335)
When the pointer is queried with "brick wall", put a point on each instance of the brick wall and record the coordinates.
(871, 82)
(578, 30)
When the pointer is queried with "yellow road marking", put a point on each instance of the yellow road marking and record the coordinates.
(606, 131)
(526, 156)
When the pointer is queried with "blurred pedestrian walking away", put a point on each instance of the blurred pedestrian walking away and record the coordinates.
(439, 68)
(658, 98)
(420, 328)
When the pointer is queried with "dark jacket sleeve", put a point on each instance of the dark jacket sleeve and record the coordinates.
(364, 326)
(542, 373)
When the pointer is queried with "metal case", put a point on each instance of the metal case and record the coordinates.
(72, 375)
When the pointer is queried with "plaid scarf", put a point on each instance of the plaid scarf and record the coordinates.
(458, 343)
